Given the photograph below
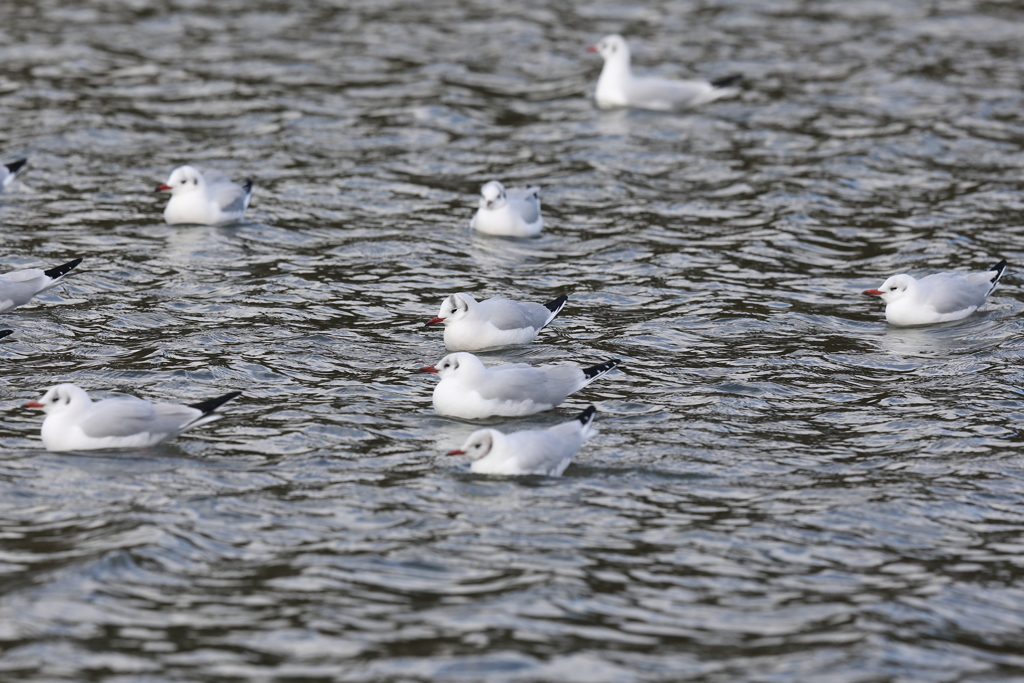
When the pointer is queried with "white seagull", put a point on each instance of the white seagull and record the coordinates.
(510, 213)
(18, 287)
(75, 423)
(936, 298)
(204, 200)
(8, 171)
(618, 87)
(534, 451)
(471, 391)
(475, 326)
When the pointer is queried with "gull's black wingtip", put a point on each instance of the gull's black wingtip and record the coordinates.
(5, 333)
(726, 81)
(599, 369)
(999, 268)
(61, 270)
(208, 406)
(587, 416)
(555, 305)
(15, 166)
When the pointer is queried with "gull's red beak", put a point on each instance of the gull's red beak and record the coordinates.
(592, 48)
(429, 368)
(34, 404)
(455, 452)
(434, 321)
(162, 188)
(873, 292)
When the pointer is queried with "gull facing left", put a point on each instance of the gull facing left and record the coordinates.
(936, 298)
(471, 325)
(618, 87)
(510, 213)
(533, 451)
(210, 199)
(471, 391)
(74, 422)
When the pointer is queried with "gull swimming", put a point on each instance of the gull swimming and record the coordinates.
(618, 87)
(470, 325)
(936, 298)
(74, 422)
(471, 391)
(534, 451)
(509, 213)
(210, 199)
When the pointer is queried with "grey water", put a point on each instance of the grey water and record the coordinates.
(782, 487)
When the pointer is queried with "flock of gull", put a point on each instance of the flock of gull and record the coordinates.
(467, 389)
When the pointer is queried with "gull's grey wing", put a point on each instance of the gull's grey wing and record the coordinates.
(127, 416)
(17, 288)
(547, 451)
(526, 202)
(660, 93)
(521, 382)
(985, 281)
(230, 196)
(514, 315)
(952, 292)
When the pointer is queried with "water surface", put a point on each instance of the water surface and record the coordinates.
(782, 486)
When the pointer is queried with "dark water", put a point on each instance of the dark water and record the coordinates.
(783, 488)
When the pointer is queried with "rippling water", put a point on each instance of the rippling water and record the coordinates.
(782, 487)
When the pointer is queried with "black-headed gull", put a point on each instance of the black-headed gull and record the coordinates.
(470, 325)
(618, 87)
(533, 451)
(510, 213)
(209, 199)
(8, 171)
(19, 286)
(74, 422)
(936, 298)
(471, 391)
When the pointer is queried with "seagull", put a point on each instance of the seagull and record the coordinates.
(19, 286)
(8, 171)
(618, 87)
(936, 298)
(533, 451)
(473, 326)
(511, 213)
(204, 200)
(471, 391)
(75, 423)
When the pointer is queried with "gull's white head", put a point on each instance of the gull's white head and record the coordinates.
(183, 180)
(61, 398)
(612, 47)
(480, 444)
(454, 308)
(492, 195)
(894, 289)
(456, 365)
